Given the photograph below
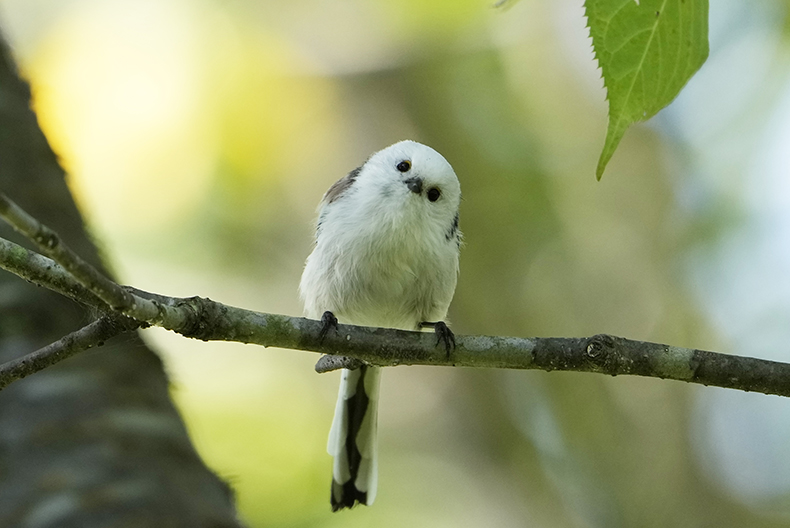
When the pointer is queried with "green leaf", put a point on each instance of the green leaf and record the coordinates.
(647, 50)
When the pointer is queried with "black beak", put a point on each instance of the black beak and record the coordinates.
(414, 185)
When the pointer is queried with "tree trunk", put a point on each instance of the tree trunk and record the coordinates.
(94, 441)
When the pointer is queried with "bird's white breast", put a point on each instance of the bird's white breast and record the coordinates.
(385, 254)
(391, 273)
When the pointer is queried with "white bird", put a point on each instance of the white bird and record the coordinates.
(386, 255)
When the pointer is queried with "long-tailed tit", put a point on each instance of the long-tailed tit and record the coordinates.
(386, 255)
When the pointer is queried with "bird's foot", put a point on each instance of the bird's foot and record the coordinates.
(328, 321)
(443, 334)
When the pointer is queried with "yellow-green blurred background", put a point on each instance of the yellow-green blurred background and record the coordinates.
(200, 135)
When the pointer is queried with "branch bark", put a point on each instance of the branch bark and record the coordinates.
(113, 295)
(94, 334)
(209, 320)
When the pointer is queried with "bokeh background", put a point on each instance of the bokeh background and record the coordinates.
(200, 135)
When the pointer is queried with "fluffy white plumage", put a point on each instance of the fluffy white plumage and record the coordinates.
(386, 255)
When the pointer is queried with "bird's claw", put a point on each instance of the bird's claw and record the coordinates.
(328, 320)
(443, 333)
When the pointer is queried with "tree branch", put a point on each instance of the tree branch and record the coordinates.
(208, 320)
(87, 337)
(116, 297)
(45, 272)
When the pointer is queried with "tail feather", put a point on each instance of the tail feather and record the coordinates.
(352, 439)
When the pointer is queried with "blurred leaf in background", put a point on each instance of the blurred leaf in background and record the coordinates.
(200, 137)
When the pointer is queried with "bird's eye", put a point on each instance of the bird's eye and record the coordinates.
(404, 166)
(434, 194)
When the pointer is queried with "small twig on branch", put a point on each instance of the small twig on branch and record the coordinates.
(45, 272)
(51, 245)
(330, 363)
(118, 298)
(209, 320)
(87, 337)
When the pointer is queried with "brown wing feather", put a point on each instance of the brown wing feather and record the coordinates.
(341, 186)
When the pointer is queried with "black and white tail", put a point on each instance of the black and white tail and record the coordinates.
(352, 439)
